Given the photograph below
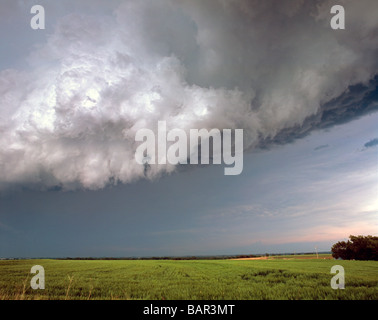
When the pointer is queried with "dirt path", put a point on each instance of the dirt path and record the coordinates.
(322, 257)
(255, 258)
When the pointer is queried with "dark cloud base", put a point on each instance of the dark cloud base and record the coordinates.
(359, 100)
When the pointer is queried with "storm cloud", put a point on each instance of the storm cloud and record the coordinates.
(275, 69)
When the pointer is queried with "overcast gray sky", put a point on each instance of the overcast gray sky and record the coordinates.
(73, 96)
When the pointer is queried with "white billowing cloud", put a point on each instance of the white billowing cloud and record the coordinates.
(262, 66)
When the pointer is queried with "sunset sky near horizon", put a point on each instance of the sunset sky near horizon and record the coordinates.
(73, 95)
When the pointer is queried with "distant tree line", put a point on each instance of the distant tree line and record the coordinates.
(218, 257)
(357, 248)
(165, 258)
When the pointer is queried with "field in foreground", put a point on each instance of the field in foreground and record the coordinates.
(194, 279)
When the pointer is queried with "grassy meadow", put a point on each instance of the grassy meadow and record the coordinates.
(283, 278)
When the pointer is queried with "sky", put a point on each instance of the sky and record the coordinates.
(73, 96)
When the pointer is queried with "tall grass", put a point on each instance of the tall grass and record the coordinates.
(202, 279)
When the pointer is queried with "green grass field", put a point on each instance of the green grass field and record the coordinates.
(194, 279)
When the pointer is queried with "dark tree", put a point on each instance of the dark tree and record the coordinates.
(358, 248)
